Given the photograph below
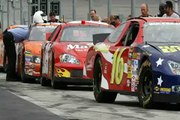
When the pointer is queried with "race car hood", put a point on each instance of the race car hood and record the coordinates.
(33, 47)
(78, 49)
(170, 51)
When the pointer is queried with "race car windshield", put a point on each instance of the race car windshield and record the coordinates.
(83, 33)
(38, 33)
(167, 32)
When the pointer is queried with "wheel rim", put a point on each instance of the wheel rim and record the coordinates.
(147, 85)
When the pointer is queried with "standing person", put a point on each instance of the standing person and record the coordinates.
(145, 10)
(169, 12)
(117, 21)
(161, 10)
(52, 17)
(10, 37)
(93, 15)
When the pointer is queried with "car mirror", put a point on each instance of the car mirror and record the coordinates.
(100, 37)
(48, 34)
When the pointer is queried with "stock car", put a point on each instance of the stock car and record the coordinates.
(29, 51)
(64, 55)
(141, 58)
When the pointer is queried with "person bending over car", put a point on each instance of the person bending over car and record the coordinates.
(10, 37)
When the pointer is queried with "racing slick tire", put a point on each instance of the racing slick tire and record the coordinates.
(101, 96)
(145, 86)
(44, 81)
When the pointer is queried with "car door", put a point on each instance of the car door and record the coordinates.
(121, 76)
(47, 53)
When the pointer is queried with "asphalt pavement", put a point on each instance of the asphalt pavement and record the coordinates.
(15, 108)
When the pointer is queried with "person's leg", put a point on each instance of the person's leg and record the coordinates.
(11, 54)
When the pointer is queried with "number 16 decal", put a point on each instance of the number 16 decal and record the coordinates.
(117, 67)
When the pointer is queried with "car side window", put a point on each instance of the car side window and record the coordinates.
(131, 34)
(113, 37)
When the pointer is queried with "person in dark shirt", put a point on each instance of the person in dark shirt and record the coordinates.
(52, 17)
(161, 10)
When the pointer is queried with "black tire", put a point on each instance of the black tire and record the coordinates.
(44, 81)
(101, 96)
(145, 86)
(23, 75)
(55, 84)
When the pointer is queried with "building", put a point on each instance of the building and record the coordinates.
(21, 11)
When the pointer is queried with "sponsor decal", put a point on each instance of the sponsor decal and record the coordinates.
(133, 83)
(156, 89)
(165, 89)
(71, 47)
(169, 49)
(128, 83)
(129, 71)
(136, 56)
(61, 72)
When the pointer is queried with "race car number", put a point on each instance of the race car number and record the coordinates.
(117, 67)
(169, 49)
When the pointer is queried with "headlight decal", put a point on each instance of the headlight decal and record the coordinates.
(174, 67)
(67, 58)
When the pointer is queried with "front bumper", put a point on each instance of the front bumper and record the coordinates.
(73, 81)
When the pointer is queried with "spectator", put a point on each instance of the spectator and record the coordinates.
(169, 12)
(93, 14)
(144, 10)
(115, 20)
(112, 20)
(10, 37)
(52, 17)
(96, 18)
(106, 20)
(161, 10)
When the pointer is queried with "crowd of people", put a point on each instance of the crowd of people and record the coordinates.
(165, 10)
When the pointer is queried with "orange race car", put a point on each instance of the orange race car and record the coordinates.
(29, 51)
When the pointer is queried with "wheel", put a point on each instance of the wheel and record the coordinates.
(54, 83)
(44, 81)
(101, 96)
(145, 87)
(23, 76)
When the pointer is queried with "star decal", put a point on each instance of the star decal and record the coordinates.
(159, 61)
(160, 81)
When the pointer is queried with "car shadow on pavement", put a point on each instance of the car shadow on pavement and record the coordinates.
(157, 106)
(78, 88)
